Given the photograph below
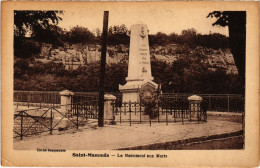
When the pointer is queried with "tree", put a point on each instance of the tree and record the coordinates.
(173, 38)
(189, 36)
(215, 41)
(32, 27)
(117, 29)
(162, 74)
(80, 34)
(53, 35)
(98, 32)
(34, 21)
(159, 39)
(236, 22)
(25, 47)
(115, 75)
(118, 35)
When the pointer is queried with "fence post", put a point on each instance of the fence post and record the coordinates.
(195, 105)
(198, 111)
(158, 115)
(190, 109)
(52, 99)
(174, 110)
(77, 115)
(135, 108)
(120, 114)
(228, 102)
(109, 117)
(66, 107)
(21, 125)
(51, 122)
(182, 111)
(209, 103)
(65, 101)
(125, 107)
(40, 101)
(140, 106)
(166, 116)
(150, 119)
(130, 111)
(28, 101)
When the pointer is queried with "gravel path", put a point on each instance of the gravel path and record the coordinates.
(91, 137)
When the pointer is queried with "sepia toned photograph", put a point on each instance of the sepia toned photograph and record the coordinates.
(111, 77)
(162, 88)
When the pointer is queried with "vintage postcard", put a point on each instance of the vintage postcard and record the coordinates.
(128, 84)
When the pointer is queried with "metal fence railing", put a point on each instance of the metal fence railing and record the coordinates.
(180, 110)
(86, 96)
(216, 102)
(46, 120)
(36, 98)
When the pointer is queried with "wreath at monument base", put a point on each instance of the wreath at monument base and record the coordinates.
(149, 98)
(152, 110)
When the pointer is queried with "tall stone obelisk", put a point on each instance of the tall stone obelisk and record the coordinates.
(139, 66)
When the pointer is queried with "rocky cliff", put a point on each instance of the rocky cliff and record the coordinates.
(75, 55)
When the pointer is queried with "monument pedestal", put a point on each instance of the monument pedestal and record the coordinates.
(139, 66)
(131, 90)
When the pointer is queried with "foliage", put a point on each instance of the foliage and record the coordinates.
(42, 27)
(34, 21)
(186, 75)
(33, 27)
(117, 29)
(190, 73)
(222, 17)
(115, 75)
(158, 39)
(26, 47)
(215, 41)
(191, 38)
(151, 109)
(118, 35)
(173, 38)
(188, 36)
(236, 22)
(53, 35)
(21, 67)
(162, 73)
(150, 101)
(80, 34)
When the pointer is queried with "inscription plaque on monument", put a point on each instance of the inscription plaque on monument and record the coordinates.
(139, 67)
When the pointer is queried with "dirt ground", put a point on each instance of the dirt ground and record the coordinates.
(122, 135)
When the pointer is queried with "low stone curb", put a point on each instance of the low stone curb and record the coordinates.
(215, 113)
(180, 143)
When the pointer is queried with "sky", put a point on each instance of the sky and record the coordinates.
(166, 21)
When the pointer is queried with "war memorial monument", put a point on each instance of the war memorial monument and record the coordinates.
(139, 67)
